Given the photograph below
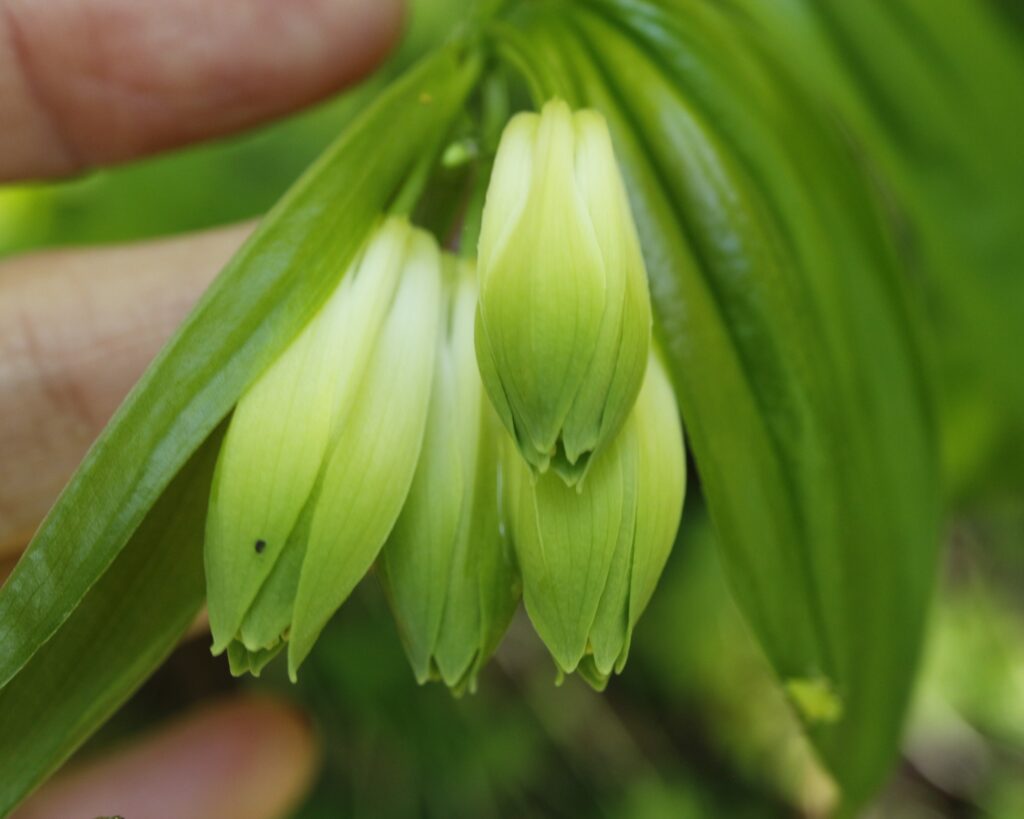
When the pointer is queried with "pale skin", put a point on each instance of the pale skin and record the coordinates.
(87, 83)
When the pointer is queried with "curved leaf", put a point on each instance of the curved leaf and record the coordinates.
(933, 92)
(121, 631)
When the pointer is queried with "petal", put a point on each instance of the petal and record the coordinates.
(281, 431)
(415, 564)
(542, 294)
(565, 541)
(662, 476)
(369, 472)
(659, 476)
(484, 586)
(269, 618)
(616, 369)
(267, 467)
(508, 187)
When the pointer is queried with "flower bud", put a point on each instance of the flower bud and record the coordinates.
(447, 567)
(564, 322)
(590, 559)
(320, 453)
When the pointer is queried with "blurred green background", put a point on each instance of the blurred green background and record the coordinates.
(695, 727)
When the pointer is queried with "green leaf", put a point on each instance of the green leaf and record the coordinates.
(933, 93)
(258, 304)
(793, 346)
(120, 632)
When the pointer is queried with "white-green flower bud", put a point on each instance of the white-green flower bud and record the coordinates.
(447, 567)
(564, 323)
(590, 559)
(320, 453)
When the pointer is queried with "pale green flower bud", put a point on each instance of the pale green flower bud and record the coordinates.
(564, 323)
(447, 567)
(320, 453)
(590, 559)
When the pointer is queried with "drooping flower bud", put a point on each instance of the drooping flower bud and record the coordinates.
(590, 559)
(320, 452)
(447, 567)
(564, 323)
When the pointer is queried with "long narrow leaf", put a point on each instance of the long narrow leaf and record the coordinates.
(933, 92)
(120, 632)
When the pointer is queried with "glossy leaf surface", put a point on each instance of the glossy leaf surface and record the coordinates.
(123, 629)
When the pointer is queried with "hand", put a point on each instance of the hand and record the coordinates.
(96, 82)
(252, 758)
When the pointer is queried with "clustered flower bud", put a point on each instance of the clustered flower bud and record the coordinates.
(564, 323)
(590, 560)
(483, 436)
(448, 568)
(320, 453)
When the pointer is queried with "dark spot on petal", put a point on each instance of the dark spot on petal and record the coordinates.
(260, 546)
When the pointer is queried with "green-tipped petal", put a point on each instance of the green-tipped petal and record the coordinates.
(565, 541)
(661, 486)
(368, 474)
(619, 360)
(416, 564)
(269, 618)
(564, 321)
(662, 476)
(484, 587)
(446, 568)
(591, 556)
(317, 405)
(268, 464)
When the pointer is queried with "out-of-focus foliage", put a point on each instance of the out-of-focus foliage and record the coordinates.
(931, 93)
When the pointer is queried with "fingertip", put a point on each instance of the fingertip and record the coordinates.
(311, 48)
(77, 329)
(379, 27)
(283, 756)
(103, 81)
(252, 757)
